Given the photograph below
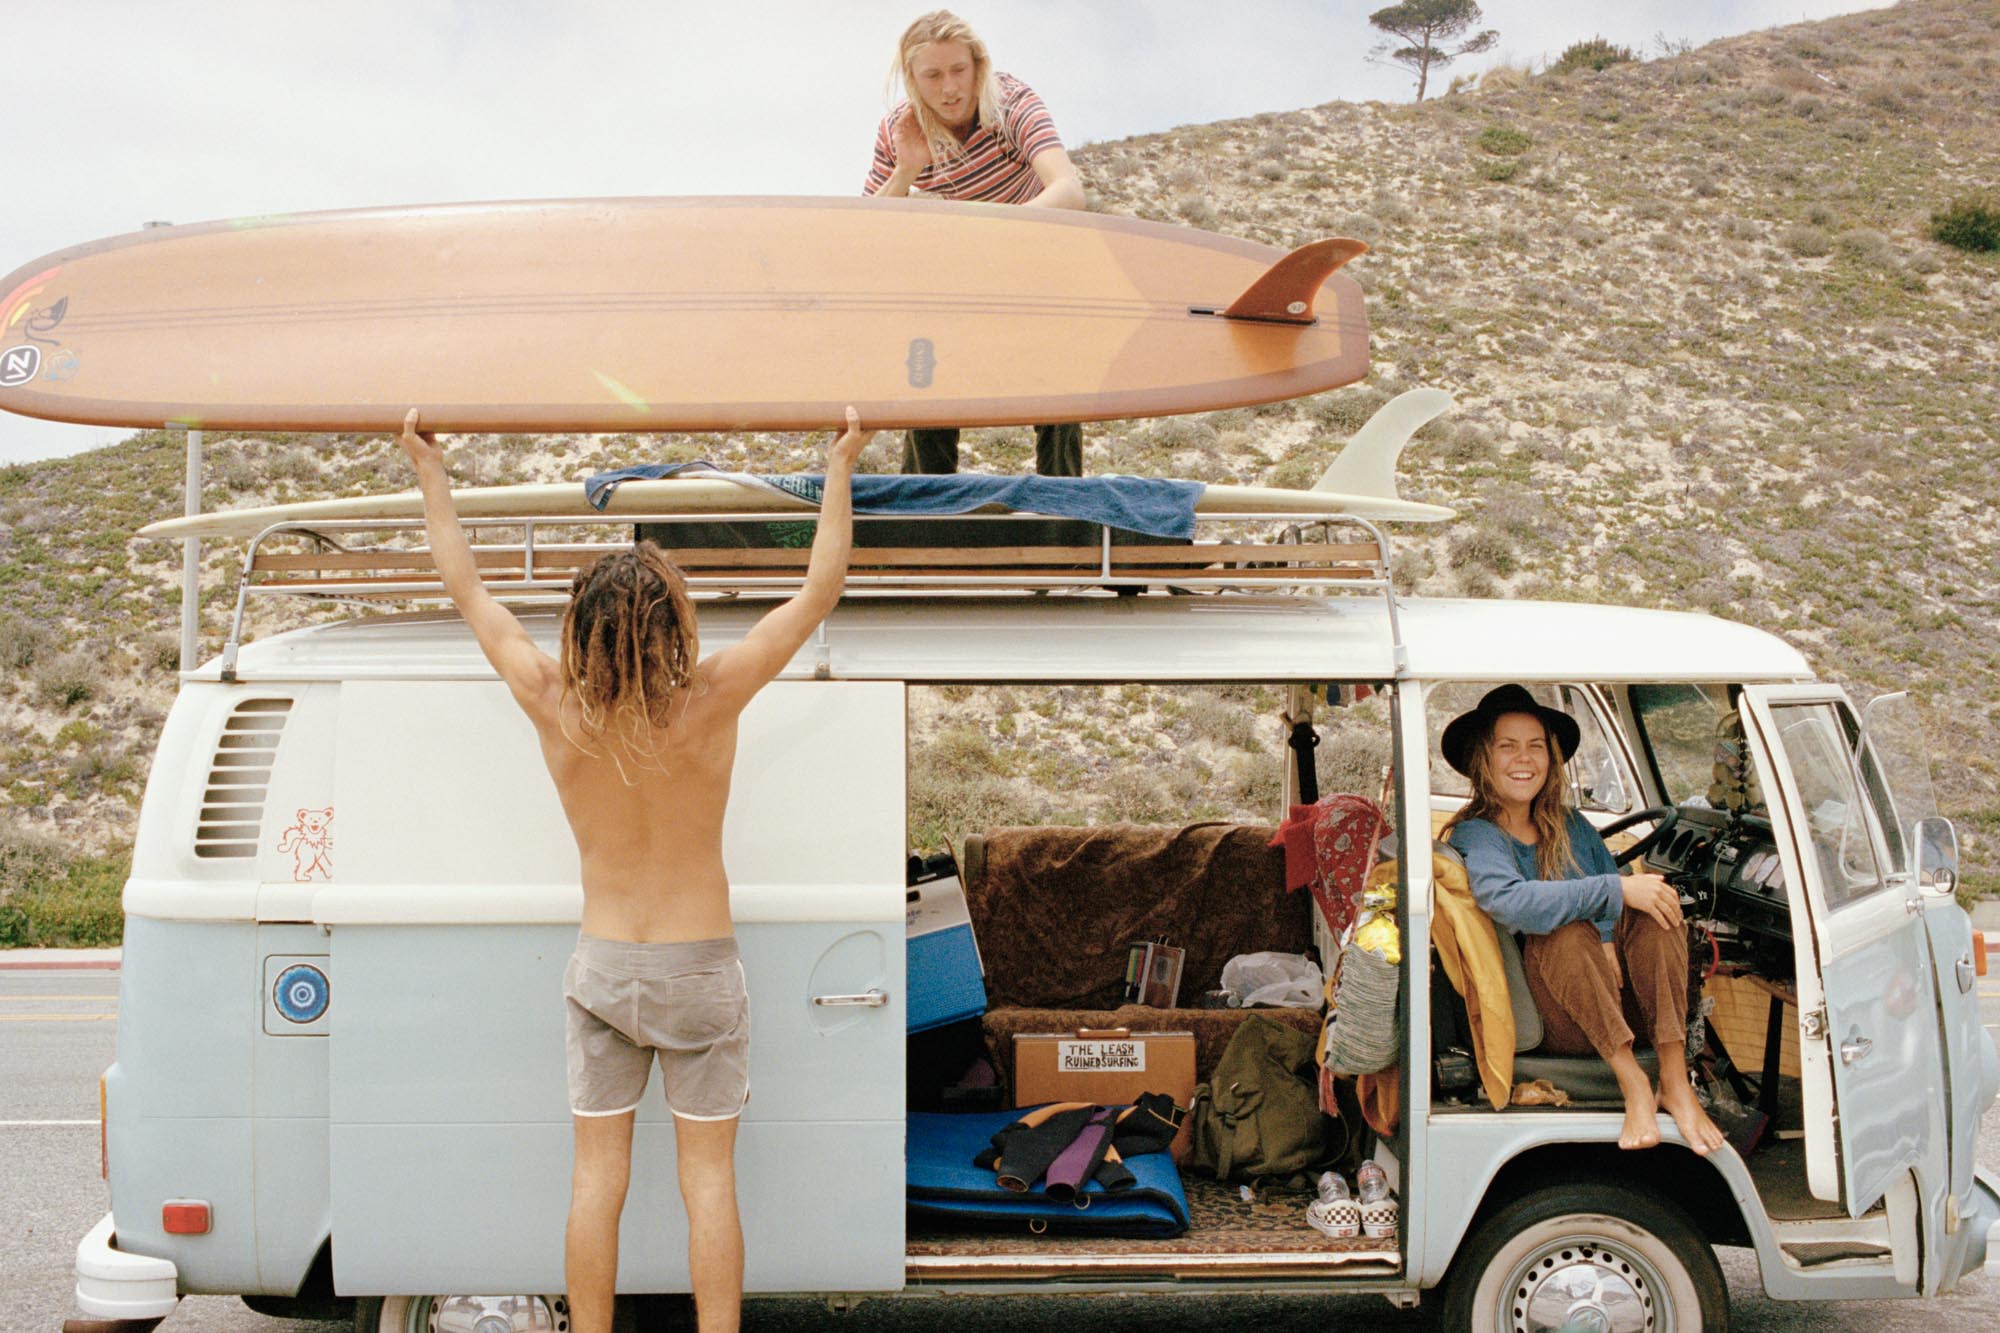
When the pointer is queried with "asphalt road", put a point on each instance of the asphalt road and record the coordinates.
(57, 1036)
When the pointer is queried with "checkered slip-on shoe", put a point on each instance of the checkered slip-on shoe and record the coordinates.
(1336, 1219)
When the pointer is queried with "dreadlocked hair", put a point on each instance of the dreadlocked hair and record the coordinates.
(629, 646)
(1553, 857)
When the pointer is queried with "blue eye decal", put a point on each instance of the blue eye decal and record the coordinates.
(302, 993)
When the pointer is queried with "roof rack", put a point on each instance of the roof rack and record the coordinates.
(730, 554)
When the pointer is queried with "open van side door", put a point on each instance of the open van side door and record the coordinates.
(1870, 1063)
(1923, 854)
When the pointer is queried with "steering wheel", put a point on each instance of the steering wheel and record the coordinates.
(1666, 816)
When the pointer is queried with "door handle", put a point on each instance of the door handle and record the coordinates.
(1855, 1048)
(873, 998)
(1967, 974)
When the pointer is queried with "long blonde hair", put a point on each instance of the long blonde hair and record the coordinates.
(941, 25)
(1553, 856)
(629, 648)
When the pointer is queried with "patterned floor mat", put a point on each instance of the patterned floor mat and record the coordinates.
(1221, 1222)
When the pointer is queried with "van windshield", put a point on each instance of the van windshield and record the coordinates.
(1680, 726)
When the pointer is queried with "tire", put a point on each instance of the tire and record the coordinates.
(454, 1314)
(1620, 1260)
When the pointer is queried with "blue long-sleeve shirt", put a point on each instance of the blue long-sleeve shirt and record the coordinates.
(1504, 883)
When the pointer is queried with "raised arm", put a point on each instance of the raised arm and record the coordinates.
(737, 673)
(1061, 186)
(530, 673)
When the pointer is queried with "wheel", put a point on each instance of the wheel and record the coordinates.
(462, 1314)
(1661, 817)
(1588, 1256)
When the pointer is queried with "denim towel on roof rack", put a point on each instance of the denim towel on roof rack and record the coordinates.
(1155, 506)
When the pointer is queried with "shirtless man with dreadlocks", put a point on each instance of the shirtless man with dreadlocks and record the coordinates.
(639, 733)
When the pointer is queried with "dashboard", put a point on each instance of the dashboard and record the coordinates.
(1729, 866)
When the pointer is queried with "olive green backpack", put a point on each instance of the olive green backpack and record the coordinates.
(1259, 1115)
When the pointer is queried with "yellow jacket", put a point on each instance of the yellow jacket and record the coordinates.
(1465, 943)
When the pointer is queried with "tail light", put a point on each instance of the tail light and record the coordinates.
(184, 1217)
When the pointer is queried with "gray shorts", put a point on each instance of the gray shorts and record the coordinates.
(685, 1001)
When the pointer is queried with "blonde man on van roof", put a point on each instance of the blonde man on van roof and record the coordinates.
(966, 131)
(639, 734)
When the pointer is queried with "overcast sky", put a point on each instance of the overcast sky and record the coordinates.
(123, 111)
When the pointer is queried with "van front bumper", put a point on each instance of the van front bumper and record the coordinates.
(111, 1284)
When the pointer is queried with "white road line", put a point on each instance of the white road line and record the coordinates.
(35, 1124)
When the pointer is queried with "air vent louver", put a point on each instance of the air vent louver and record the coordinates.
(232, 804)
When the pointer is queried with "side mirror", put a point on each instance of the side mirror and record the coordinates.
(1936, 842)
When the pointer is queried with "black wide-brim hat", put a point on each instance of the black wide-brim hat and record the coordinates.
(1464, 731)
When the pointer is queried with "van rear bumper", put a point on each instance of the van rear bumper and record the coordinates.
(111, 1284)
(1985, 1214)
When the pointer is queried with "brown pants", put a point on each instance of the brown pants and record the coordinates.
(1583, 1007)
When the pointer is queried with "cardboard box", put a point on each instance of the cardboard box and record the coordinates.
(946, 981)
(1110, 1066)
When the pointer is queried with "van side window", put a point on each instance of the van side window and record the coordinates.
(1822, 763)
(1597, 780)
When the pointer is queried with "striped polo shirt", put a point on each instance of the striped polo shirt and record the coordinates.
(996, 163)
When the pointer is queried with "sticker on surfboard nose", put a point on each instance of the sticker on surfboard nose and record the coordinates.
(19, 364)
(302, 993)
(922, 362)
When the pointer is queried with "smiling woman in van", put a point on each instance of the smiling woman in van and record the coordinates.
(640, 738)
(1538, 868)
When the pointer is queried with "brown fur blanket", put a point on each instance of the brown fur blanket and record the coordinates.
(1053, 908)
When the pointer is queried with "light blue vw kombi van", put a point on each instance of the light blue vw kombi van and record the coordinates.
(353, 894)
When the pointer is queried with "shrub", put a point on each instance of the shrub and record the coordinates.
(1593, 54)
(53, 905)
(1195, 210)
(26, 855)
(68, 680)
(1807, 242)
(161, 652)
(21, 642)
(1222, 722)
(1503, 141)
(1503, 170)
(1972, 222)
(1484, 547)
(1868, 246)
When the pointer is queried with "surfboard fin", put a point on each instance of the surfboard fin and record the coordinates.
(1284, 295)
(1366, 464)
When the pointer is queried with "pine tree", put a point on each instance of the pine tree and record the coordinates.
(1427, 29)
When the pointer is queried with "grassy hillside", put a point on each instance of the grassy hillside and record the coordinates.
(1705, 354)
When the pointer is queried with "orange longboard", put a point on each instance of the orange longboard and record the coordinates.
(672, 314)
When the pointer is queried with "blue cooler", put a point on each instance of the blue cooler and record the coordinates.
(946, 982)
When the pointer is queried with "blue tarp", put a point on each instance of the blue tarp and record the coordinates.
(944, 1185)
(1155, 506)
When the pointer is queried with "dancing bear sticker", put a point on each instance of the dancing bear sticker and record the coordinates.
(310, 841)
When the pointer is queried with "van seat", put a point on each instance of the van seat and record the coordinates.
(1586, 1078)
(1054, 907)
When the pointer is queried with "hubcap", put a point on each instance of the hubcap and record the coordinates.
(496, 1314)
(1584, 1286)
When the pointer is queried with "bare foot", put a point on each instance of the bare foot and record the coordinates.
(1642, 1126)
(1701, 1133)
